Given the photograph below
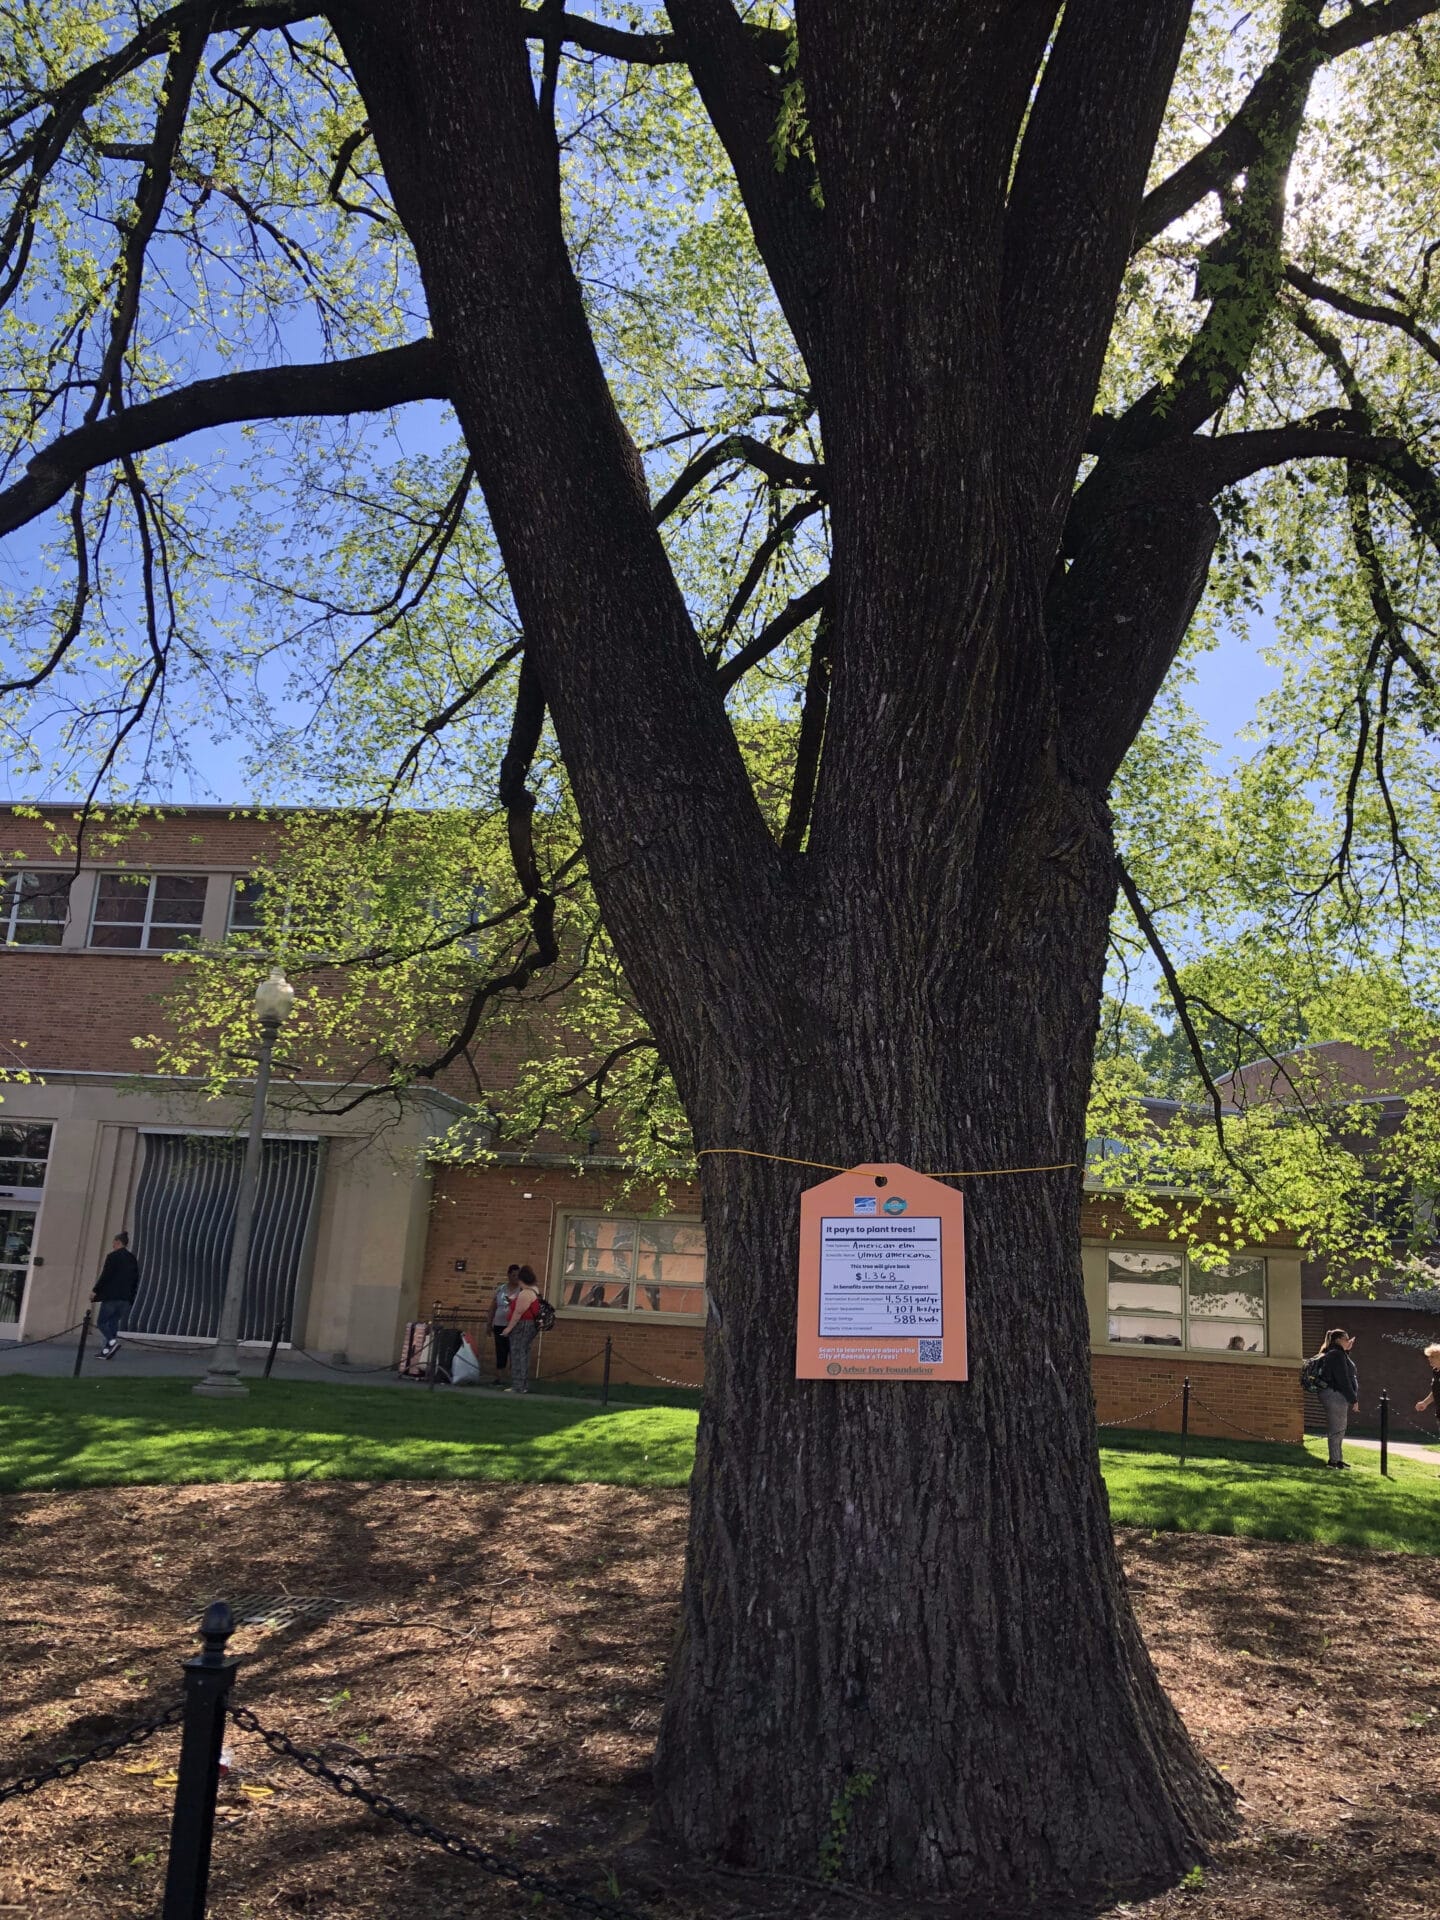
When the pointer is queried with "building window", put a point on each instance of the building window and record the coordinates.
(632, 1265)
(1167, 1299)
(34, 908)
(157, 911)
(24, 1151)
(247, 905)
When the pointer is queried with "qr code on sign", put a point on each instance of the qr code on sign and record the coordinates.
(932, 1352)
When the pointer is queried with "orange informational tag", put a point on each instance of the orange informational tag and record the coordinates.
(882, 1278)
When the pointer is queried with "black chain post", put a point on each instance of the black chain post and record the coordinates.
(274, 1347)
(1185, 1420)
(80, 1350)
(208, 1680)
(1385, 1433)
(605, 1383)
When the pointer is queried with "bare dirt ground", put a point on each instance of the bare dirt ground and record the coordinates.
(499, 1665)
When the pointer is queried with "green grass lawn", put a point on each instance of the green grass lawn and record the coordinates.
(105, 1433)
(94, 1433)
(1272, 1493)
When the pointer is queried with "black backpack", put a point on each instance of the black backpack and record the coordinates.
(1312, 1379)
(545, 1318)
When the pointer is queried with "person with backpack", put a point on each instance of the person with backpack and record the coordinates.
(527, 1311)
(1432, 1399)
(500, 1310)
(1339, 1387)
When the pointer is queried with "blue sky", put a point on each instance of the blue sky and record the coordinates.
(1229, 682)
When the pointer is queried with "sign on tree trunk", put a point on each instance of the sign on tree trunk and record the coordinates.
(882, 1278)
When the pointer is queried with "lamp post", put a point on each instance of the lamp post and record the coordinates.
(274, 997)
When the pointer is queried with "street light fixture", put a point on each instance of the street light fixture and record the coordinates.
(274, 997)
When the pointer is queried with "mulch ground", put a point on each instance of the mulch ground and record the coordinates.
(502, 1670)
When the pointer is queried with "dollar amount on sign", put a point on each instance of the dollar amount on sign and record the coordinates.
(880, 1276)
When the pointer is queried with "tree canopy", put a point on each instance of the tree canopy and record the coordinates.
(222, 523)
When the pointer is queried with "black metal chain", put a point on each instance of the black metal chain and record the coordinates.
(690, 1386)
(105, 1750)
(350, 1788)
(1267, 1439)
(1131, 1418)
(24, 1346)
(390, 1366)
(560, 1373)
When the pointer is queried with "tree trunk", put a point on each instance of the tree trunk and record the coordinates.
(908, 1658)
(907, 1655)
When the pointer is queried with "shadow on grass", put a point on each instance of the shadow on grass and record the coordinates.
(1271, 1493)
(65, 1433)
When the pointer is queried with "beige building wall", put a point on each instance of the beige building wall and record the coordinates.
(373, 1214)
(370, 1246)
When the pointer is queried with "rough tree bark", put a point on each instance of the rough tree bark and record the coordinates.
(909, 1587)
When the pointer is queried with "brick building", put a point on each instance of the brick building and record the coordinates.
(1401, 1316)
(96, 1138)
(357, 1232)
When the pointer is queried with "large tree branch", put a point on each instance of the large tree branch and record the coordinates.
(515, 796)
(1116, 618)
(1178, 1000)
(775, 465)
(151, 193)
(1343, 302)
(916, 408)
(365, 384)
(1141, 532)
(778, 536)
(669, 814)
(1240, 142)
(1241, 273)
(519, 804)
(1070, 218)
(811, 741)
(744, 99)
(791, 617)
(1390, 627)
(646, 49)
(1209, 463)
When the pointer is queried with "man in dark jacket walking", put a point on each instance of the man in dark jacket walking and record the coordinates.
(115, 1291)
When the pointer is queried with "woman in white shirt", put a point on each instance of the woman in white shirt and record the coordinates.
(501, 1308)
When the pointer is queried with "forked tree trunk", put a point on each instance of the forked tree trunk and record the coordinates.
(907, 1652)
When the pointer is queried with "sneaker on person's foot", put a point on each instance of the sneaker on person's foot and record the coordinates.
(109, 1350)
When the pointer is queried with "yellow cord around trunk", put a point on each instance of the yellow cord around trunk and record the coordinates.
(826, 1166)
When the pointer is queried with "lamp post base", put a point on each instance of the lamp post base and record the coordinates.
(222, 1383)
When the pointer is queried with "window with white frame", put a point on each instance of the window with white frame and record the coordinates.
(1164, 1298)
(34, 907)
(155, 911)
(629, 1264)
(24, 1153)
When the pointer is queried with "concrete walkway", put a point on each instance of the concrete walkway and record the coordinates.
(1403, 1449)
(55, 1359)
(52, 1358)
